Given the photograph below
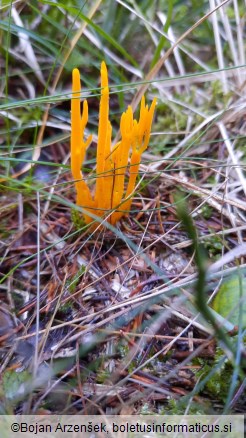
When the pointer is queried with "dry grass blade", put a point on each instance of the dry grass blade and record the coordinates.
(152, 74)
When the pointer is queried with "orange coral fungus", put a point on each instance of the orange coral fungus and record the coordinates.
(111, 199)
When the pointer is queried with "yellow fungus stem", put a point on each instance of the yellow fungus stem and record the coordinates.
(103, 146)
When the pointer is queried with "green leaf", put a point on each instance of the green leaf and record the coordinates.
(14, 384)
(230, 301)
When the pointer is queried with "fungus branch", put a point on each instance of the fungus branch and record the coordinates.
(112, 200)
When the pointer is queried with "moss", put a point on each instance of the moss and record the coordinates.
(103, 376)
(218, 98)
(75, 279)
(214, 246)
(179, 407)
(219, 380)
(206, 211)
(123, 348)
(64, 308)
(77, 219)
